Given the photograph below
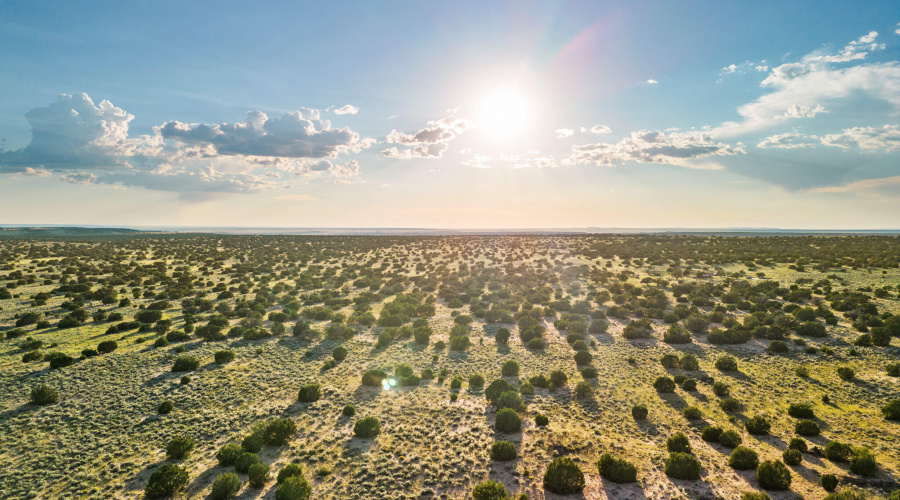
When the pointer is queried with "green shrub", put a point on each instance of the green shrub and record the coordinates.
(309, 393)
(503, 451)
(773, 475)
(664, 384)
(711, 434)
(798, 444)
(276, 432)
(165, 407)
(678, 443)
(829, 482)
(846, 373)
(756, 495)
(339, 353)
(729, 404)
(456, 382)
(179, 447)
(893, 369)
(507, 421)
(743, 458)
(682, 466)
(244, 461)
(228, 453)
(726, 364)
(792, 457)
(510, 399)
(670, 360)
(589, 372)
(166, 481)
(689, 385)
(777, 347)
(583, 390)
(223, 357)
(349, 410)
(583, 357)
(225, 486)
(367, 427)
(289, 470)
(373, 378)
(639, 412)
(721, 389)
(476, 381)
(837, 451)
(541, 420)
(107, 346)
(863, 462)
(891, 410)
(730, 439)
(59, 360)
(185, 363)
(692, 413)
(807, 428)
(617, 470)
(293, 488)
(258, 475)
(32, 356)
(689, 362)
(252, 443)
(563, 477)
(558, 378)
(43, 395)
(758, 425)
(489, 490)
(510, 368)
(801, 410)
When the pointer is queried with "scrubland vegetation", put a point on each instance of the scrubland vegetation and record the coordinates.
(484, 367)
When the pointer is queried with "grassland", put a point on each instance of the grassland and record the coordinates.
(104, 437)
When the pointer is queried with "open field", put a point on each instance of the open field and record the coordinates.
(791, 311)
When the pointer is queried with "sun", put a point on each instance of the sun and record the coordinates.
(504, 113)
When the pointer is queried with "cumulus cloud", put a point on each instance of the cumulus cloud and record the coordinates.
(790, 140)
(647, 146)
(346, 110)
(562, 133)
(886, 138)
(801, 111)
(429, 142)
(298, 134)
(652, 82)
(79, 178)
(600, 129)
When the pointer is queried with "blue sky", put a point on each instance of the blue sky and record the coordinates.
(419, 114)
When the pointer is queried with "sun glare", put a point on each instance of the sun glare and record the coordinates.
(504, 113)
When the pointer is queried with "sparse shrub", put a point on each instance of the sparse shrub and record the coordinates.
(721, 389)
(510, 399)
(726, 364)
(166, 481)
(664, 385)
(165, 407)
(293, 488)
(689, 385)
(792, 457)
(276, 432)
(244, 461)
(678, 443)
(773, 475)
(258, 475)
(476, 381)
(309, 393)
(756, 495)
(689, 362)
(682, 466)
(617, 470)
(367, 427)
(503, 451)
(180, 447)
(223, 357)
(846, 373)
(502, 336)
(558, 378)
(489, 490)
(507, 421)
(729, 404)
(758, 425)
(526, 389)
(777, 347)
(639, 412)
(225, 486)
(185, 363)
(583, 390)
(541, 420)
(228, 453)
(160, 342)
(32, 356)
(43, 395)
(863, 462)
(563, 477)
(807, 428)
(893, 369)
(730, 439)
(743, 458)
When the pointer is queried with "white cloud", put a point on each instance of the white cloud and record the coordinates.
(652, 82)
(883, 139)
(79, 178)
(429, 142)
(600, 129)
(346, 110)
(885, 187)
(562, 133)
(790, 140)
(801, 111)
(648, 146)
